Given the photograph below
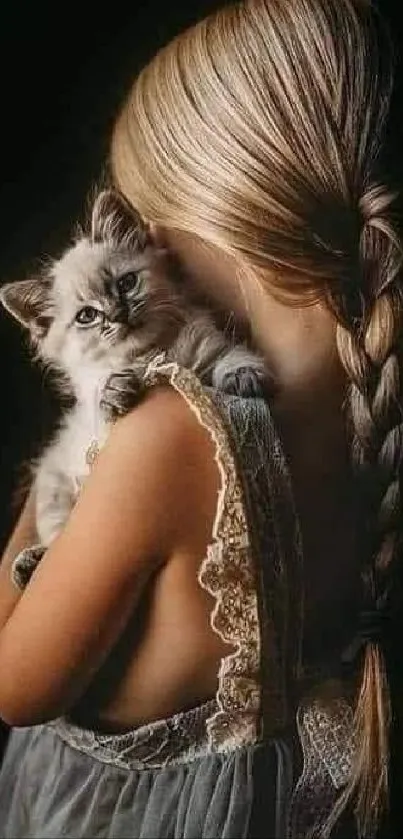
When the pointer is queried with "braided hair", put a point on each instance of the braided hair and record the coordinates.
(369, 340)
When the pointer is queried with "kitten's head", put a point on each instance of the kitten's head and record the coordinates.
(106, 301)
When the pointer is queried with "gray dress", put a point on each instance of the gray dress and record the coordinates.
(231, 767)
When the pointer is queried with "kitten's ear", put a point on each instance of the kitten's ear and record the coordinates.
(27, 302)
(114, 220)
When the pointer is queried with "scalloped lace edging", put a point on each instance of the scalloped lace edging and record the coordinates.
(227, 573)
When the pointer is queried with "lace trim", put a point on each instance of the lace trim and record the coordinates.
(180, 739)
(326, 734)
(228, 574)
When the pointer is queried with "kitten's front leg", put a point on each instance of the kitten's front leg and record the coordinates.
(121, 393)
(55, 499)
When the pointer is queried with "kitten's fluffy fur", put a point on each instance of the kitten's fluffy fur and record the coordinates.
(117, 283)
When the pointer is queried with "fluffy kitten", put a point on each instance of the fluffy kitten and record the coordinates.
(99, 315)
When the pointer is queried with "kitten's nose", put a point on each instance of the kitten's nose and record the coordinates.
(116, 313)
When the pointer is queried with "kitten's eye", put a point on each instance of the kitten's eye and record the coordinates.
(87, 315)
(128, 282)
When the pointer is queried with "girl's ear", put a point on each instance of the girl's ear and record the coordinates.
(27, 302)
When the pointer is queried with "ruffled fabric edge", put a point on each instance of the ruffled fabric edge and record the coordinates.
(227, 573)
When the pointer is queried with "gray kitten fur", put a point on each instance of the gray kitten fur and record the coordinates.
(116, 281)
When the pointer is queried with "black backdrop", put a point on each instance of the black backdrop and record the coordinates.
(64, 70)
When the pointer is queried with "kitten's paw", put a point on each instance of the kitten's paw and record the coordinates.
(121, 393)
(24, 565)
(247, 382)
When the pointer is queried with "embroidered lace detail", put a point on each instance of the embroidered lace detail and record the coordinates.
(327, 739)
(176, 740)
(228, 574)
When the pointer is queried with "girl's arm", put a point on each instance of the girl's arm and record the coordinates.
(131, 517)
(24, 535)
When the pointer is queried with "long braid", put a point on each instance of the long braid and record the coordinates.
(370, 348)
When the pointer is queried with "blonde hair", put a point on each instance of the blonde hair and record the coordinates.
(259, 130)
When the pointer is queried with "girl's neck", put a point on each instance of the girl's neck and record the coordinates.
(300, 347)
(309, 382)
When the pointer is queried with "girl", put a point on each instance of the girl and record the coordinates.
(227, 587)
